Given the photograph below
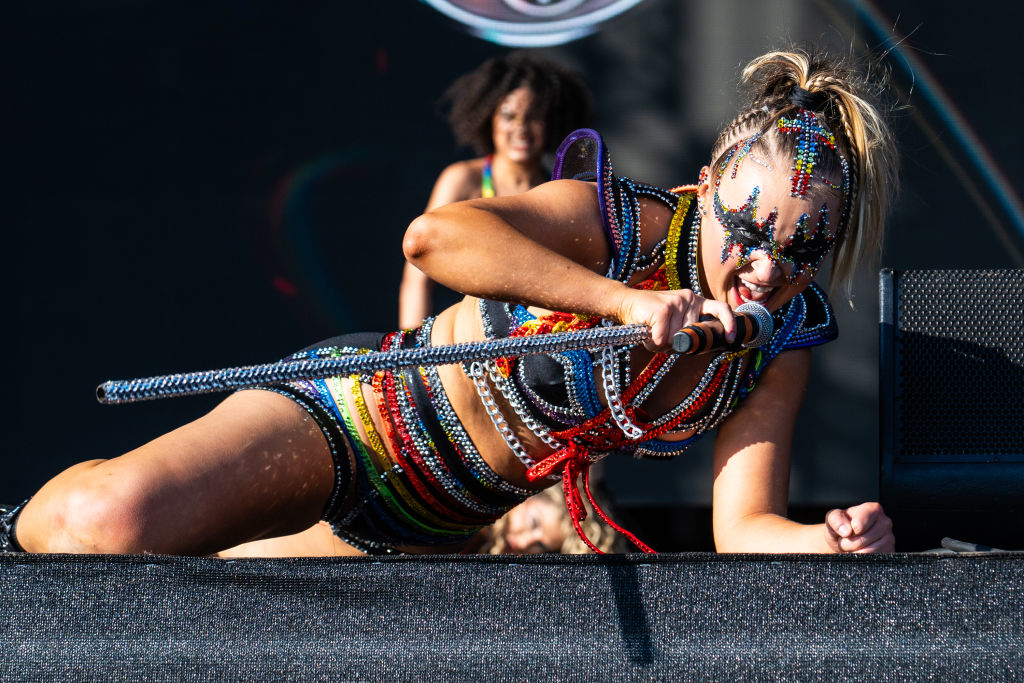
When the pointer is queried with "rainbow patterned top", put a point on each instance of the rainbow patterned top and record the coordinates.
(487, 178)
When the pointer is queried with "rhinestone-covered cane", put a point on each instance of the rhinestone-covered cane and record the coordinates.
(230, 379)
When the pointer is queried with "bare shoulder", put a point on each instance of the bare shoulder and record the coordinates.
(467, 169)
(571, 206)
(770, 411)
(655, 218)
(578, 190)
(783, 380)
(457, 182)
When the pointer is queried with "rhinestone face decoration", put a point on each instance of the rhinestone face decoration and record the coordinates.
(742, 230)
(810, 136)
(743, 233)
(807, 253)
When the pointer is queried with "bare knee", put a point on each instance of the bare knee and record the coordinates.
(82, 512)
(256, 464)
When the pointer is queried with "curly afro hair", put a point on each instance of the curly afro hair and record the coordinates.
(561, 98)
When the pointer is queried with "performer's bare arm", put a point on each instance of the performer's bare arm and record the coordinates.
(415, 299)
(544, 248)
(751, 487)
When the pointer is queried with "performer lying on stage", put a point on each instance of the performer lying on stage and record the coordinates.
(511, 110)
(420, 460)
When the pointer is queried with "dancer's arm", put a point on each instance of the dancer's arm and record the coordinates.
(546, 248)
(751, 489)
(415, 293)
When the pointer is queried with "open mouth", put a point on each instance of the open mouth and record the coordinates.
(751, 292)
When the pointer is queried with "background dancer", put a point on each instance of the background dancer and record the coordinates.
(419, 461)
(511, 110)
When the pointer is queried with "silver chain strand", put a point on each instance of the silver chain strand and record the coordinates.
(540, 430)
(614, 401)
(229, 379)
(476, 371)
(609, 373)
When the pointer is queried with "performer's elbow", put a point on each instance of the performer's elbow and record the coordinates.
(421, 239)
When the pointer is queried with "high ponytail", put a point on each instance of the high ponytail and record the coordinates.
(779, 84)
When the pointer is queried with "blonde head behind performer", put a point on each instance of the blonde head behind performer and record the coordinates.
(541, 524)
(420, 460)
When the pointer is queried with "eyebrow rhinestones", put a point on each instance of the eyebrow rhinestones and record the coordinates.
(741, 228)
(742, 149)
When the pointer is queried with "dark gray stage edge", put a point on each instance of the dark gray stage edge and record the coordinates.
(669, 617)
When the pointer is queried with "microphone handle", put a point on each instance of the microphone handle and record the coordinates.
(709, 335)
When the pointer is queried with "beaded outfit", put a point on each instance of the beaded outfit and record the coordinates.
(557, 395)
(438, 489)
(559, 390)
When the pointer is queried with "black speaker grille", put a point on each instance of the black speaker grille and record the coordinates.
(960, 350)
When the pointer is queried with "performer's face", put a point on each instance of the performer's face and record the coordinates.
(534, 526)
(517, 129)
(758, 242)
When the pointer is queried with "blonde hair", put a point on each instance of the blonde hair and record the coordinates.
(601, 535)
(849, 107)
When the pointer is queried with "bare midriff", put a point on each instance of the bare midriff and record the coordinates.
(461, 323)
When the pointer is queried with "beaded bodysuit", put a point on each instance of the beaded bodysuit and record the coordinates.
(437, 489)
(557, 396)
(560, 390)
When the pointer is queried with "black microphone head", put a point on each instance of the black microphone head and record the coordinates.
(763, 317)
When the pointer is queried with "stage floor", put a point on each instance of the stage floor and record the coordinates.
(700, 616)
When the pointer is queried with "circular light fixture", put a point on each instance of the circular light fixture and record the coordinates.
(531, 23)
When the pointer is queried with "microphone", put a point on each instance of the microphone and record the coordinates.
(753, 328)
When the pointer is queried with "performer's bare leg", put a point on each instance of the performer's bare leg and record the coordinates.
(316, 541)
(256, 466)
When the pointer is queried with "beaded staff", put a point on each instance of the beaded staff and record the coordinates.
(229, 379)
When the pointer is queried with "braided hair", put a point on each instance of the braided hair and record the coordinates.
(781, 83)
